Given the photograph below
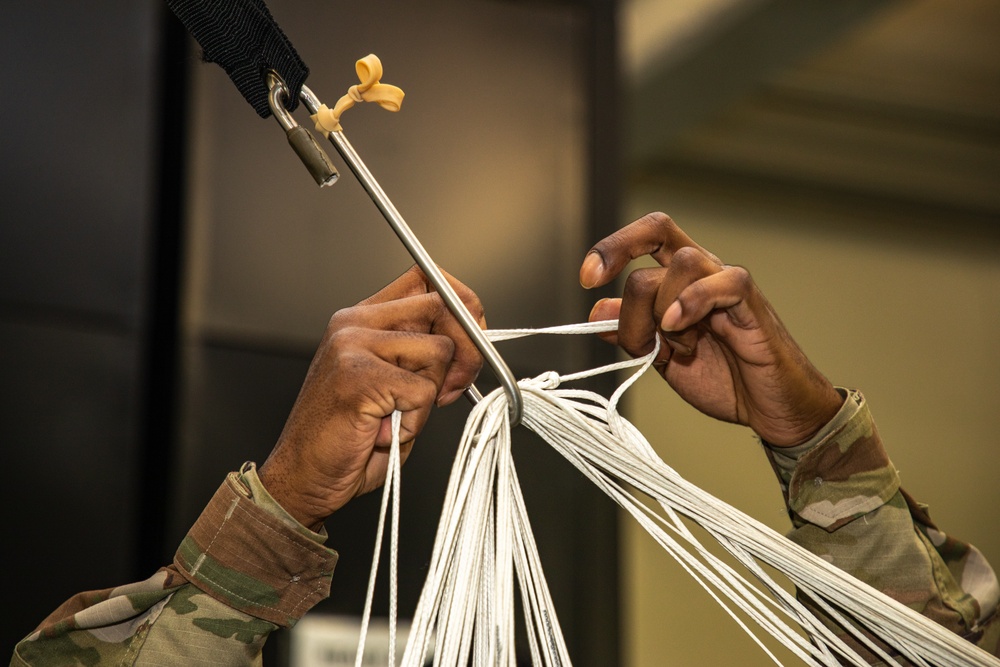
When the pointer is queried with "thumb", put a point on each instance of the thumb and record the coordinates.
(606, 309)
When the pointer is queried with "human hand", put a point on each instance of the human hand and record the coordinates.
(725, 351)
(400, 349)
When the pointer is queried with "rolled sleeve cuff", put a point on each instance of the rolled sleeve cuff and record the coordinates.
(841, 474)
(248, 556)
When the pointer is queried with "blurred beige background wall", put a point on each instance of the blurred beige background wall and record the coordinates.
(856, 176)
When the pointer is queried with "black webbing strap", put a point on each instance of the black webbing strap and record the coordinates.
(243, 38)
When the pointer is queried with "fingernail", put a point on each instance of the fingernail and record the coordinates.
(590, 318)
(591, 270)
(680, 349)
(671, 317)
(449, 398)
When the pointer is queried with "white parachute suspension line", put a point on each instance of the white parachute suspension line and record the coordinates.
(468, 598)
(392, 487)
(714, 574)
(483, 540)
(736, 588)
(611, 447)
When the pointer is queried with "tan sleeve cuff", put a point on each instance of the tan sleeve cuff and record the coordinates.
(263, 499)
(251, 559)
(787, 458)
(842, 473)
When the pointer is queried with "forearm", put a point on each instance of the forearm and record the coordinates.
(245, 568)
(846, 506)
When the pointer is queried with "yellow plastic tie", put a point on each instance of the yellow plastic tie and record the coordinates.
(370, 89)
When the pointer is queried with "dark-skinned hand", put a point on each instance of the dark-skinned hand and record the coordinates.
(724, 349)
(400, 349)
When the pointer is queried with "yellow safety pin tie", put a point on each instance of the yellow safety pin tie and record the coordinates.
(370, 89)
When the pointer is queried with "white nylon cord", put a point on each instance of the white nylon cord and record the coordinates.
(484, 539)
(392, 483)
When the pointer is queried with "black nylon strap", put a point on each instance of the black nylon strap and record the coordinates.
(244, 39)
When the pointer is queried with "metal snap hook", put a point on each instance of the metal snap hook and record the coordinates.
(299, 138)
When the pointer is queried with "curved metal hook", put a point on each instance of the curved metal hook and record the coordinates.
(299, 138)
(277, 90)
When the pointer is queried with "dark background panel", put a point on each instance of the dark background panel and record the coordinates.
(77, 182)
(78, 155)
(68, 420)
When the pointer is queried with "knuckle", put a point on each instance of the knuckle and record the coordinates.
(351, 363)
(413, 276)
(424, 390)
(472, 302)
(429, 387)
(687, 258)
(443, 347)
(641, 281)
(342, 318)
(741, 278)
(656, 226)
(650, 226)
(343, 339)
(657, 220)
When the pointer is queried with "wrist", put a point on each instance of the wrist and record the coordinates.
(810, 418)
(786, 458)
(284, 494)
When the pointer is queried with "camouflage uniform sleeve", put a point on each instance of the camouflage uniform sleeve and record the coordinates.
(844, 498)
(245, 568)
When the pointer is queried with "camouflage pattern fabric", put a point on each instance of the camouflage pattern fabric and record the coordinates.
(846, 505)
(245, 568)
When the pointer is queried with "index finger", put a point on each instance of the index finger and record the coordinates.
(423, 312)
(654, 234)
(414, 282)
(411, 283)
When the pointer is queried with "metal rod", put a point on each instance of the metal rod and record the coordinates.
(429, 267)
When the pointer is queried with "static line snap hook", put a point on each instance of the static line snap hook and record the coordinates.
(299, 138)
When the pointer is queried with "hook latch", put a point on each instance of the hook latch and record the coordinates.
(299, 138)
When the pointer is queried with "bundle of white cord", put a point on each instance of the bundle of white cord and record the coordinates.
(484, 539)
